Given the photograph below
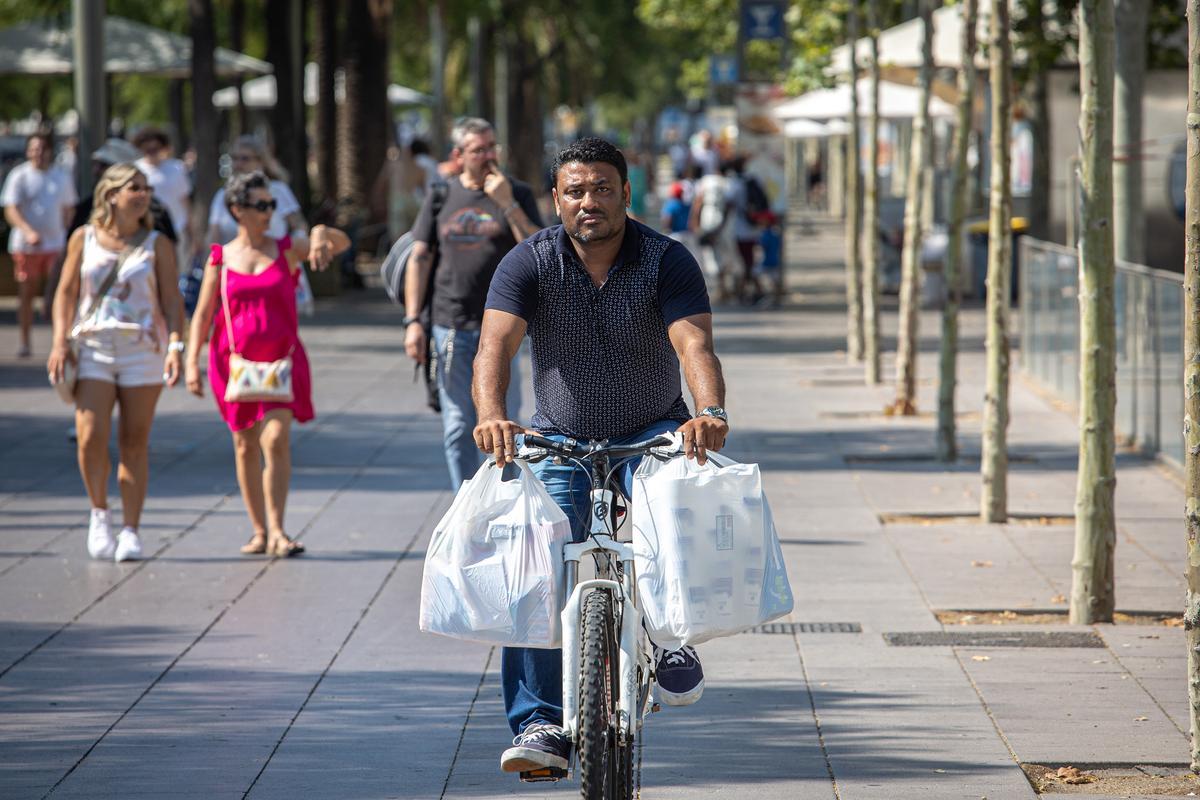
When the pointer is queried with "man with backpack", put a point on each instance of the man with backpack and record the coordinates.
(749, 203)
(484, 214)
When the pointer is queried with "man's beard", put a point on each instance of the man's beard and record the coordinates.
(585, 235)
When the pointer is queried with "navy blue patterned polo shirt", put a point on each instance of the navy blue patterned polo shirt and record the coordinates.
(603, 365)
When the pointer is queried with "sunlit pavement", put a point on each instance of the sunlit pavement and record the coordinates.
(201, 673)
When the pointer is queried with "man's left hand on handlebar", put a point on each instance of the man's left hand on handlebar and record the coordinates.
(497, 438)
(702, 434)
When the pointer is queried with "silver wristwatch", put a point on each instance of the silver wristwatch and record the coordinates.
(715, 411)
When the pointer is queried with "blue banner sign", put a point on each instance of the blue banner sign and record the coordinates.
(762, 19)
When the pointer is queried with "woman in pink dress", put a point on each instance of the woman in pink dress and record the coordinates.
(251, 282)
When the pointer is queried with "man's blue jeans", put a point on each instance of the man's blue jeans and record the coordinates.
(531, 678)
(455, 369)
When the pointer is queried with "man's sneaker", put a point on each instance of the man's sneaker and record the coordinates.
(539, 746)
(679, 676)
(129, 546)
(100, 542)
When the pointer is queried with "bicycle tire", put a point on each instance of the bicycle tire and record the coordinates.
(601, 773)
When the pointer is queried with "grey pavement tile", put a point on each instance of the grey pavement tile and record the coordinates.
(1060, 706)
(969, 566)
(882, 709)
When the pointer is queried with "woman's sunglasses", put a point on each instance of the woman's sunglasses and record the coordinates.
(262, 205)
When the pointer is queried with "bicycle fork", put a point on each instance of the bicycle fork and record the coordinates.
(631, 621)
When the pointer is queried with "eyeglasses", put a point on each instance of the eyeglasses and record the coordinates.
(478, 151)
(262, 205)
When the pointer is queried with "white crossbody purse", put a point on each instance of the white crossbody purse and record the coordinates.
(253, 381)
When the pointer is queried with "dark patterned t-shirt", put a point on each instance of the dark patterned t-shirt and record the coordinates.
(603, 365)
(472, 236)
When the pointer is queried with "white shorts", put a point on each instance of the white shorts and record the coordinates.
(120, 357)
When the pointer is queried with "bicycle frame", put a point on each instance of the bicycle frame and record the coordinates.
(602, 543)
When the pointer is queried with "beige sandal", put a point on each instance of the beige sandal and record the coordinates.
(256, 546)
(283, 547)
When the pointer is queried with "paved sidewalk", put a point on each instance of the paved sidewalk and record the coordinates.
(200, 673)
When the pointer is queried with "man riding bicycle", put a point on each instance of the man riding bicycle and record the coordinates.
(612, 309)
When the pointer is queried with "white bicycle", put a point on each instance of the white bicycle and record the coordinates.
(608, 670)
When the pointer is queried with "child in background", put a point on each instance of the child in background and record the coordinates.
(771, 266)
(675, 211)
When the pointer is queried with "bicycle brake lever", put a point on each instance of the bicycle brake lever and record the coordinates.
(532, 454)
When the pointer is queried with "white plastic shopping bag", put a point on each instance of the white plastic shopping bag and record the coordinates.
(706, 552)
(493, 570)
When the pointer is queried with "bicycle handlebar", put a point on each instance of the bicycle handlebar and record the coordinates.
(663, 446)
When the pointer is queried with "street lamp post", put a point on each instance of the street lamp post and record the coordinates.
(90, 96)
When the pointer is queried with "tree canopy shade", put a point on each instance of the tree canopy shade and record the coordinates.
(41, 48)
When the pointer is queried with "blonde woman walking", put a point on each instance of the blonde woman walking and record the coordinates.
(129, 331)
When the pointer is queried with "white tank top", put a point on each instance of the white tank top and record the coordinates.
(131, 303)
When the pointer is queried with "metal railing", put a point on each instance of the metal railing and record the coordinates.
(1149, 312)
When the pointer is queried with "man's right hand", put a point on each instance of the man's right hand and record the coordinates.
(496, 437)
(414, 342)
(32, 237)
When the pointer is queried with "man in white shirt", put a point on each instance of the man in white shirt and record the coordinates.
(38, 200)
(168, 178)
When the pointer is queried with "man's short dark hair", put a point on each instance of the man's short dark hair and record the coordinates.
(590, 150)
(147, 135)
(46, 136)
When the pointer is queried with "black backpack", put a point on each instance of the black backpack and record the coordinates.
(757, 201)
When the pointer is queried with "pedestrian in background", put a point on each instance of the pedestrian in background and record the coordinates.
(712, 209)
(38, 199)
(748, 203)
(248, 301)
(169, 179)
(249, 154)
(484, 215)
(399, 190)
(129, 341)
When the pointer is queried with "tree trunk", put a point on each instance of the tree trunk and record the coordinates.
(1038, 100)
(1191, 383)
(947, 446)
(854, 302)
(325, 41)
(1130, 223)
(525, 110)
(437, 74)
(204, 116)
(1092, 597)
(993, 505)
(285, 52)
(910, 260)
(237, 41)
(870, 252)
(363, 122)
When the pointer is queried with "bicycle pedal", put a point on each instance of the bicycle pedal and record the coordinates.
(551, 774)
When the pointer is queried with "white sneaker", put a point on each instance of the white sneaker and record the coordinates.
(129, 546)
(100, 542)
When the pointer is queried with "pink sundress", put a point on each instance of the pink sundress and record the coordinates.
(262, 308)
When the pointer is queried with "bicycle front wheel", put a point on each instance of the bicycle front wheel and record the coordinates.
(604, 765)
